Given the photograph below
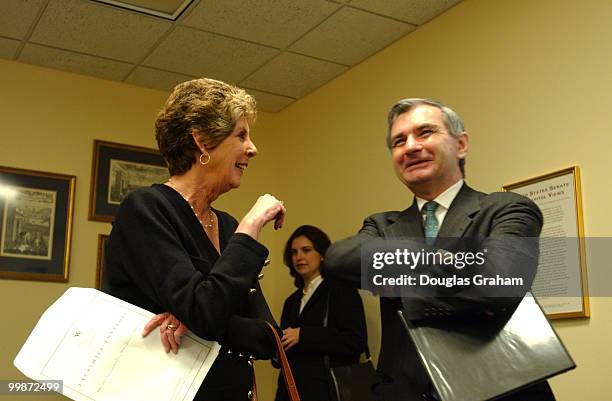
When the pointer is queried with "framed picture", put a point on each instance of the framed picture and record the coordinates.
(35, 224)
(117, 170)
(561, 281)
(102, 243)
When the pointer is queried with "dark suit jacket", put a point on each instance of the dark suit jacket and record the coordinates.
(343, 340)
(472, 214)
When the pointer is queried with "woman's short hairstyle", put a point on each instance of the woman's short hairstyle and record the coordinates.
(206, 107)
(320, 242)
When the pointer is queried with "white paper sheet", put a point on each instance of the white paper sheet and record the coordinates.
(92, 341)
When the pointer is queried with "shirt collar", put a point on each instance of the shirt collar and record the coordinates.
(313, 285)
(445, 198)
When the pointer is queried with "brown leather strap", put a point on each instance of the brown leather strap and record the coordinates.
(285, 368)
(254, 390)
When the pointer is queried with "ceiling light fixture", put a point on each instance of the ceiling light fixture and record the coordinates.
(168, 9)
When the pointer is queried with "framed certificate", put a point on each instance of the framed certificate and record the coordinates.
(561, 282)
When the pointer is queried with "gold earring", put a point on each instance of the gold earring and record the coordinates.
(207, 160)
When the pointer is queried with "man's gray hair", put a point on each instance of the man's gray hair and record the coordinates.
(453, 122)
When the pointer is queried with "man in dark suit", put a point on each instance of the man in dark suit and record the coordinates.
(428, 145)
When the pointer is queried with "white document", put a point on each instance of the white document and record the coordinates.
(92, 341)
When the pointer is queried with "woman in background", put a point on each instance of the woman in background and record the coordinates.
(305, 339)
(172, 253)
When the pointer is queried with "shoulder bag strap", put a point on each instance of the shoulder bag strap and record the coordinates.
(326, 357)
(285, 368)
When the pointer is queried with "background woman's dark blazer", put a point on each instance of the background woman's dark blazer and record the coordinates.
(343, 340)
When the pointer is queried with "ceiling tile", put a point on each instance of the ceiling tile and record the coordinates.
(350, 36)
(8, 48)
(293, 75)
(98, 30)
(269, 102)
(192, 52)
(272, 22)
(156, 79)
(17, 16)
(74, 62)
(282, 49)
(414, 11)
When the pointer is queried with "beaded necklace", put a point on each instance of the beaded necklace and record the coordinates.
(211, 214)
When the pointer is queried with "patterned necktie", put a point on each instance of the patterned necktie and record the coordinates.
(431, 222)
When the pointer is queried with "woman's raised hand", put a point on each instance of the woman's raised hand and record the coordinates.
(266, 209)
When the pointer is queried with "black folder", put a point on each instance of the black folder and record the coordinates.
(468, 360)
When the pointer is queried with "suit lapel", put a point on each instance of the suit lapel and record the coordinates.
(459, 216)
(409, 222)
(294, 308)
(319, 292)
(406, 224)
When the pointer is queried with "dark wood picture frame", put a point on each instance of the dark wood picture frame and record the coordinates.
(36, 211)
(116, 170)
(102, 243)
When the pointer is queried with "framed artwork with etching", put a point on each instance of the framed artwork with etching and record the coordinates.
(118, 169)
(36, 211)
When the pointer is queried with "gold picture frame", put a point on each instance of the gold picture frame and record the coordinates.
(562, 289)
(36, 210)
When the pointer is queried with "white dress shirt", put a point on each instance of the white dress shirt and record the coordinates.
(308, 290)
(443, 200)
